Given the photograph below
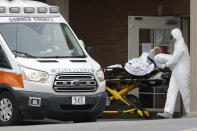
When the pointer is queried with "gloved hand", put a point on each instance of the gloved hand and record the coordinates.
(167, 65)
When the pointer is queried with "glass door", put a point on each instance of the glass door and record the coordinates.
(143, 34)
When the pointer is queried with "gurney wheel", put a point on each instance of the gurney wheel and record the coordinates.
(143, 114)
(146, 114)
(134, 100)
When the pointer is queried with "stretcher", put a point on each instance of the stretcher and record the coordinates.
(119, 83)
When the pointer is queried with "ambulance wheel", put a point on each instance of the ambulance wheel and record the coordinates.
(9, 112)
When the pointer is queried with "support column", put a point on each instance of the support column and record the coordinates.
(63, 5)
(193, 56)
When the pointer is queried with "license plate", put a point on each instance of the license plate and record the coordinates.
(78, 100)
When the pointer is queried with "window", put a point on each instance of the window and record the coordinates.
(41, 40)
(4, 63)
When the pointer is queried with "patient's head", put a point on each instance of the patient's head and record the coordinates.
(156, 50)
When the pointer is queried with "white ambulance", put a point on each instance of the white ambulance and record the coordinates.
(45, 70)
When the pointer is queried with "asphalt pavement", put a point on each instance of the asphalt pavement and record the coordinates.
(183, 124)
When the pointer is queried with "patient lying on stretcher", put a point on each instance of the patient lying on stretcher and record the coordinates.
(143, 65)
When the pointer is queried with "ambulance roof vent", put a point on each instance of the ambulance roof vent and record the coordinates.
(54, 10)
(2, 9)
(14, 9)
(42, 10)
(29, 9)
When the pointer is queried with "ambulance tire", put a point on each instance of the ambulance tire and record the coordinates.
(91, 118)
(15, 117)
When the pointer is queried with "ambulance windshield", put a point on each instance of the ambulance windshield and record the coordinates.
(41, 40)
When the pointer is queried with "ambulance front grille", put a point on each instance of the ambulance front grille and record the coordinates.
(75, 83)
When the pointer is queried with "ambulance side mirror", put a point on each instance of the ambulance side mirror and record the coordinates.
(90, 51)
(82, 43)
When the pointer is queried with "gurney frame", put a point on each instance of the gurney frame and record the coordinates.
(124, 86)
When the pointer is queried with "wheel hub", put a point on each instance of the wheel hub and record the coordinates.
(6, 109)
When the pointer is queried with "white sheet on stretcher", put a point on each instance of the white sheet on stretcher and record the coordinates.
(139, 66)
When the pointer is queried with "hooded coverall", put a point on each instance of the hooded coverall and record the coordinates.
(179, 81)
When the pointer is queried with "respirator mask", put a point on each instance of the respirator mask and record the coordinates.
(172, 40)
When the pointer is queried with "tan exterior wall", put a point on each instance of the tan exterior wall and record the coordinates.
(193, 55)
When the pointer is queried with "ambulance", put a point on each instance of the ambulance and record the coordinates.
(45, 71)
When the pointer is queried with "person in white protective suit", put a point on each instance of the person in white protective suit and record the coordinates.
(179, 63)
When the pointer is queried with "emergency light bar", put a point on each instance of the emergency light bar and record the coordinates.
(42, 10)
(14, 10)
(54, 10)
(29, 10)
(2, 9)
(18, 11)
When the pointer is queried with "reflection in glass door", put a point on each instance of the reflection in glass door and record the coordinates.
(154, 37)
(153, 97)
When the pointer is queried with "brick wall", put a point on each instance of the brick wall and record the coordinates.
(103, 24)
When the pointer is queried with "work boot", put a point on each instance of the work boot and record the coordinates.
(165, 115)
